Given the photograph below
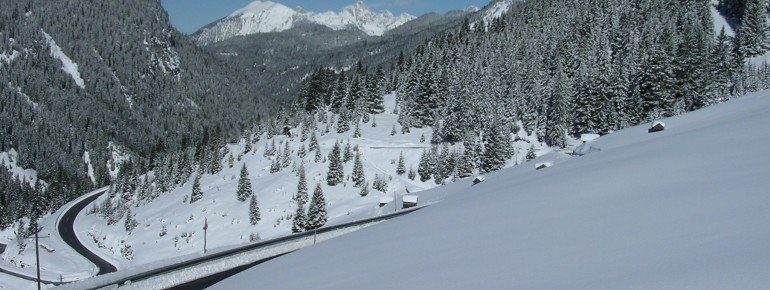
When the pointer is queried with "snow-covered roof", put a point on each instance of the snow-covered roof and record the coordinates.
(544, 165)
(386, 199)
(410, 198)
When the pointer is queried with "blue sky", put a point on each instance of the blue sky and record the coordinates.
(189, 15)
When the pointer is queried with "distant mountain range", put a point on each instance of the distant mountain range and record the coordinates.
(266, 16)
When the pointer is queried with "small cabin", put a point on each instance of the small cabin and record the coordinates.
(543, 165)
(657, 127)
(478, 179)
(385, 200)
(409, 201)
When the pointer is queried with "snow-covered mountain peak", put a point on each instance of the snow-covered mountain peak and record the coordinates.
(266, 16)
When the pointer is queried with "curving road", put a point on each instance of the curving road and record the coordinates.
(67, 232)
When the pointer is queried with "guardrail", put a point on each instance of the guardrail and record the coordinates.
(135, 278)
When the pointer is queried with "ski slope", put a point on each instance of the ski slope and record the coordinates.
(686, 208)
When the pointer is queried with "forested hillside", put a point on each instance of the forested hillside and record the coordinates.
(562, 68)
(85, 84)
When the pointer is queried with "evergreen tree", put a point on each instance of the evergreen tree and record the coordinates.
(357, 131)
(364, 190)
(348, 154)
(316, 215)
(254, 215)
(301, 197)
(496, 150)
(130, 224)
(196, 194)
(424, 169)
(300, 219)
(400, 168)
(335, 174)
(286, 155)
(302, 152)
(358, 172)
(754, 29)
(244, 185)
(275, 166)
(318, 156)
(313, 142)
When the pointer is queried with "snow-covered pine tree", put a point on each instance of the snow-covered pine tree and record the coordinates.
(318, 156)
(247, 146)
(254, 215)
(300, 219)
(495, 153)
(286, 155)
(364, 190)
(302, 152)
(400, 167)
(411, 174)
(347, 153)
(275, 166)
(343, 121)
(244, 190)
(357, 130)
(335, 174)
(531, 153)
(424, 169)
(196, 194)
(129, 224)
(358, 171)
(754, 28)
(301, 197)
(313, 142)
(316, 214)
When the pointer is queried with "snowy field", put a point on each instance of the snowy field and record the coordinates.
(228, 218)
(686, 208)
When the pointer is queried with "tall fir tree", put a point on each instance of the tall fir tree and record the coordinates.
(196, 194)
(496, 150)
(301, 197)
(299, 222)
(400, 167)
(254, 215)
(335, 174)
(358, 176)
(244, 190)
(316, 215)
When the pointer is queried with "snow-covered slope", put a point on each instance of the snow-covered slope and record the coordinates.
(261, 17)
(686, 208)
(228, 218)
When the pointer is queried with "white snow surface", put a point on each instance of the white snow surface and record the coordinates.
(228, 218)
(68, 66)
(496, 10)
(719, 21)
(87, 160)
(266, 16)
(686, 208)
